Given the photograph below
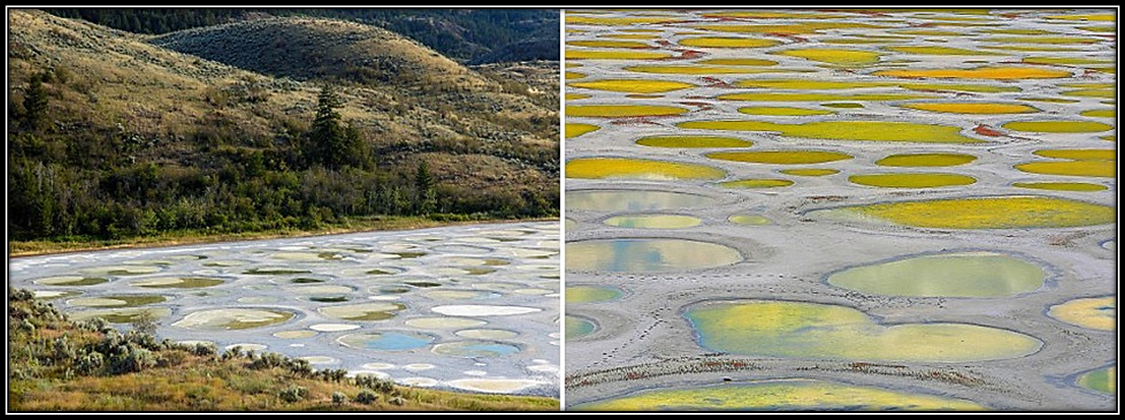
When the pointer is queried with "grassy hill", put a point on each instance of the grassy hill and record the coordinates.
(56, 364)
(134, 136)
(476, 35)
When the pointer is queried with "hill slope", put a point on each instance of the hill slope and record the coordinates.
(307, 48)
(136, 138)
(461, 34)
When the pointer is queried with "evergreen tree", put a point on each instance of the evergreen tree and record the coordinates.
(35, 103)
(425, 199)
(328, 143)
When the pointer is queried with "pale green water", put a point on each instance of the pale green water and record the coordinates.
(778, 395)
(966, 274)
(577, 327)
(633, 200)
(647, 255)
(590, 294)
(801, 329)
(654, 221)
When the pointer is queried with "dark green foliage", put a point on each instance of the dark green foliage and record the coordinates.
(366, 397)
(35, 103)
(293, 393)
(339, 398)
(425, 196)
(373, 383)
(329, 143)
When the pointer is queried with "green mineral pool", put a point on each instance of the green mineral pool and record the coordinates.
(801, 329)
(1103, 380)
(634, 200)
(797, 394)
(962, 274)
(647, 255)
(654, 221)
(1005, 212)
(577, 327)
(592, 294)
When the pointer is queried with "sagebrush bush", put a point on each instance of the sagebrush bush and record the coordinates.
(366, 397)
(293, 393)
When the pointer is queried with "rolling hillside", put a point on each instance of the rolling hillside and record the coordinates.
(202, 129)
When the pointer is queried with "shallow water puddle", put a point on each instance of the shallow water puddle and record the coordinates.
(121, 316)
(693, 141)
(386, 341)
(592, 294)
(782, 111)
(644, 255)
(1060, 186)
(1094, 313)
(1058, 126)
(781, 157)
(487, 334)
(621, 168)
(475, 349)
(1089, 168)
(728, 42)
(931, 50)
(803, 28)
(1005, 212)
(614, 55)
(911, 180)
(654, 221)
(578, 327)
(578, 129)
(800, 329)
(70, 281)
(963, 274)
(632, 85)
(1103, 380)
(609, 44)
(738, 62)
(756, 183)
(233, 319)
(819, 97)
(121, 270)
(891, 131)
(926, 160)
(622, 111)
(706, 69)
(749, 220)
(812, 84)
(177, 282)
(972, 108)
(837, 57)
(992, 73)
(444, 323)
(809, 172)
(116, 301)
(778, 395)
(378, 311)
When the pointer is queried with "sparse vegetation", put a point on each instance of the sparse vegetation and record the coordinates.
(56, 364)
(483, 35)
(161, 146)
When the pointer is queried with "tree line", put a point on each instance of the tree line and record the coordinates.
(95, 182)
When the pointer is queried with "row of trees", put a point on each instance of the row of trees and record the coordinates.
(92, 183)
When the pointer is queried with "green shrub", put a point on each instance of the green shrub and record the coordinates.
(339, 398)
(366, 397)
(293, 393)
